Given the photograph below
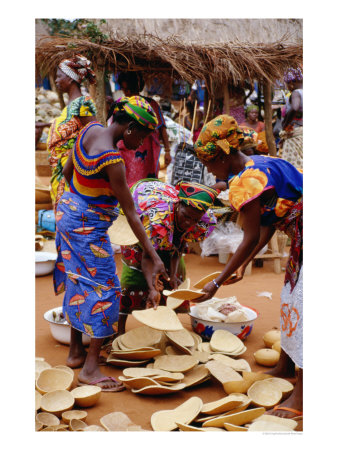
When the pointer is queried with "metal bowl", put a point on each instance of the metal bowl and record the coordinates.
(61, 330)
(205, 328)
(44, 263)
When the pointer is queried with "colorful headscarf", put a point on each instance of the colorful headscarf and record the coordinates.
(250, 138)
(139, 109)
(196, 195)
(78, 68)
(251, 108)
(220, 134)
(293, 75)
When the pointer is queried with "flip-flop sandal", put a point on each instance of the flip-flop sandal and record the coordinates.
(119, 387)
(297, 414)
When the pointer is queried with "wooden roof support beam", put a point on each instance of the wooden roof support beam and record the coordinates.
(270, 139)
(100, 98)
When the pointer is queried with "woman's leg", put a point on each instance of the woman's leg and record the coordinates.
(293, 402)
(90, 371)
(122, 323)
(285, 367)
(77, 353)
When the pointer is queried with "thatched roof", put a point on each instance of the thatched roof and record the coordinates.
(207, 31)
(234, 61)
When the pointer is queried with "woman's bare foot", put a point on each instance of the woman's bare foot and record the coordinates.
(91, 374)
(294, 402)
(75, 361)
(98, 378)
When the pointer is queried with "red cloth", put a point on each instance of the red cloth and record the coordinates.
(144, 162)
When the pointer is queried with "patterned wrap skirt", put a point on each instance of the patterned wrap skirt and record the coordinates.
(85, 268)
(292, 147)
(291, 310)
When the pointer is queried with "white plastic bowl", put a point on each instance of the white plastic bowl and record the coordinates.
(44, 263)
(61, 330)
(205, 328)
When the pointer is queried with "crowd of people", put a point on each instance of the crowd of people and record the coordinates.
(99, 172)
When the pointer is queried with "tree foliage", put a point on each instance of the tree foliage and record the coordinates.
(79, 28)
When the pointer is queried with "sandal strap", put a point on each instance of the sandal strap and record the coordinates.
(103, 379)
(285, 408)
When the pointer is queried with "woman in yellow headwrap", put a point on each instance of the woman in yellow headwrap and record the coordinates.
(81, 110)
(268, 192)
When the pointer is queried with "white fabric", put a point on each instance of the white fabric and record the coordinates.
(69, 72)
(291, 321)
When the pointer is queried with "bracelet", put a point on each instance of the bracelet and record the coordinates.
(167, 151)
(215, 283)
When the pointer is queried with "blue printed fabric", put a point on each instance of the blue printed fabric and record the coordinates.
(85, 268)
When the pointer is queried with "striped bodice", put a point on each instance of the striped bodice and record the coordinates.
(87, 180)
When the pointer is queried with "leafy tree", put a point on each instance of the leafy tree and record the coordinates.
(79, 28)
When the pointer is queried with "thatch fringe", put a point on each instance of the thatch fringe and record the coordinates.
(233, 62)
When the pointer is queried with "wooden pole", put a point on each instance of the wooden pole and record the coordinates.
(206, 102)
(92, 90)
(226, 99)
(268, 119)
(100, 98)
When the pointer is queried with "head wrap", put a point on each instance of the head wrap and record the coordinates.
(138, 109)
(196, 195)
(77, 68)
(293, 75)
(220, 134)
(250, 138)
(251, 108)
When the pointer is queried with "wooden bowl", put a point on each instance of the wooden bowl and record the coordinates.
(77, 425)
(53, 379)
(47, 419)
(38, 397)
(66, 368)
(159, 390)
(67, 416)
(86, 396)
(138, 383)
(56, 402)
(166, 420)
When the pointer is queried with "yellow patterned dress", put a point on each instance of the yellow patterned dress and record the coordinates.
(61, 137)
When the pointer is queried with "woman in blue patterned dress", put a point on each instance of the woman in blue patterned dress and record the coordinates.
(85, 268)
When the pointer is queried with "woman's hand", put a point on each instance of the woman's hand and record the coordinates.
(239, 276)
(153, 299)
(158, 270)
(174, 282)
(221, 185)
(210, 290)
(167, 158)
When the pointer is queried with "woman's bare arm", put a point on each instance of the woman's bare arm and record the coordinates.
(250, 215)
(68, 168)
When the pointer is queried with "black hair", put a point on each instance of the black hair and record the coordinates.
(134, 80)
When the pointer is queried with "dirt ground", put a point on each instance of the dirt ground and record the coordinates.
(140, 408)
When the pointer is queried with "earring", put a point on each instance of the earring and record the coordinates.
(128, 131)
